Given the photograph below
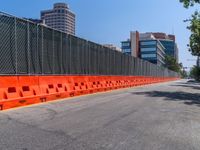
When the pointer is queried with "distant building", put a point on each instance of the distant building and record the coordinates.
(160, 35)
(131, 46)
(134, 37)
(113, 47)
(60, 18)
(126, 47)
(171, 48)
(169, 42)
(146, 36)
(152, 51)
(38, 21)
(162, 42)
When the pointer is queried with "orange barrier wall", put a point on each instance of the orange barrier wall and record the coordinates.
(16, 91)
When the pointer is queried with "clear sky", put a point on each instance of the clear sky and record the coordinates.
(110, 21)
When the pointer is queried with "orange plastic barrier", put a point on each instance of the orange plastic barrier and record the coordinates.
(16, 91)
(53, 87)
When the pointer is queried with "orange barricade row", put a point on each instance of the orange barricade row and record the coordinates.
(16, 91)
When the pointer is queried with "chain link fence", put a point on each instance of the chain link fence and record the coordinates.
(27, 48)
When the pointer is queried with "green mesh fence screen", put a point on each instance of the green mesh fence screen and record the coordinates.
(27, 48)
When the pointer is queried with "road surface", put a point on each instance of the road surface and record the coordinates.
(164, 116)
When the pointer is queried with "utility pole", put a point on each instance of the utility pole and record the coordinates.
(198, 61)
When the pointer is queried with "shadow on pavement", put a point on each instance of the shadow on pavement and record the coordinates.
(189, 82)
(187, 86)
(186, 97)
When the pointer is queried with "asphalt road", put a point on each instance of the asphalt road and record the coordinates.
(156, 117)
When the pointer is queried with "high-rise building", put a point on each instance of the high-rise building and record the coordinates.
(171, 48)
(169, 42)
(126, 47)
(131, 46)
(60, 18)
(140, 45)
(152, 51)
(146, 36)
(135, 43)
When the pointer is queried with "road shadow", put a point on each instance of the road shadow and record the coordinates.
(189, 84)
(185, 97)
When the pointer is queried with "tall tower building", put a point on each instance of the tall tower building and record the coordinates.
(60, 18)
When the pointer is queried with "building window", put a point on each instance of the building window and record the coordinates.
(126, 44)
(150, 49)
(148, 43)
(127, 50)
(148, 55)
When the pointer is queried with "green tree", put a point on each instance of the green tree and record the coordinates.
(194, 27)
(195, 73)
(188, 3)
(183, 73)
(172, 64)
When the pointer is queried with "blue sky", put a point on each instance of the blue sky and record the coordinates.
(110, 21)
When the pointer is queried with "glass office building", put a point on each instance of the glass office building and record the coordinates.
(152, 51)
(151, 46)
(126, 47)
(170, 48)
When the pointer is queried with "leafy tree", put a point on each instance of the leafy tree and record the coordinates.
(172, 64)
(188, 3)
(195, 73)
(194, 27)
(183, 73)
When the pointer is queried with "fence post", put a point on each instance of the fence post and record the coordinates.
(16, 63)
(28, 48)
